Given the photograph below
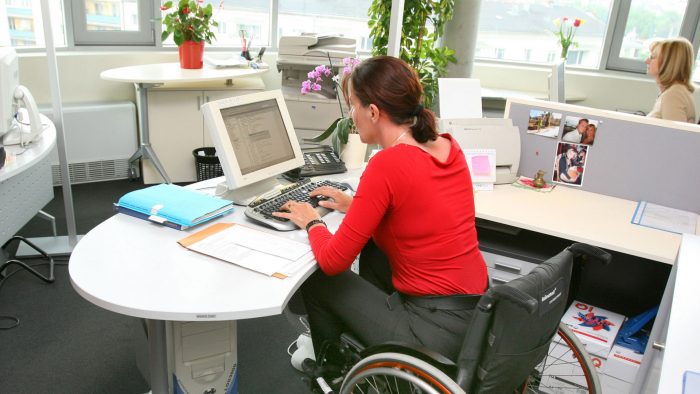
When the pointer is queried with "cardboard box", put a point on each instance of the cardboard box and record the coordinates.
(565, 376)
(595, 327)
(623, 363)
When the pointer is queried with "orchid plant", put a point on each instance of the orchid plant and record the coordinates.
(342, 127)
(565, 34)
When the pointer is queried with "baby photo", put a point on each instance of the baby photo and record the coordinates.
(570, 163)
(579, 130)
(544, 123)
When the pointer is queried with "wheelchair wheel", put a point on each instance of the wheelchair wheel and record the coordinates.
(396, 373)
(567, 368)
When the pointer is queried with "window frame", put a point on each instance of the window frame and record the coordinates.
(78, 35)
(613, 61)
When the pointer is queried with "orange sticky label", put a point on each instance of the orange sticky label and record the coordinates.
(200, 235)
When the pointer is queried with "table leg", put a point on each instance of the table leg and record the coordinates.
(158, 357)
(145, 150)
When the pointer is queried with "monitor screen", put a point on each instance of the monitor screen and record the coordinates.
(258, 135)
(254, 139)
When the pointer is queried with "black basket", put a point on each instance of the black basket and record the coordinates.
(207, 165)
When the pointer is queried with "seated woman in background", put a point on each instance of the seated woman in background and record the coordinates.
(671, 63)
(415, 202)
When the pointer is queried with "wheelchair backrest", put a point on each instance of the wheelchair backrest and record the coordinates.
(506, 340)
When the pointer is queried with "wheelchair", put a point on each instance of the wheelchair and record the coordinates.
(506, 349)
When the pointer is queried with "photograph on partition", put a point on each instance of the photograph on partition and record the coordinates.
(579, 130)
(570, 163)
(544, 123)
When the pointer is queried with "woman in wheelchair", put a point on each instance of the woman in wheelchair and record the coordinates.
(421, 281)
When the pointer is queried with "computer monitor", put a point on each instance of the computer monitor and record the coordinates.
(9, 80)
(28, 126)
(255, 142)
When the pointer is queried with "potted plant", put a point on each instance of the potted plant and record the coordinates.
(423, 26)
(190, 23)
(342, 131)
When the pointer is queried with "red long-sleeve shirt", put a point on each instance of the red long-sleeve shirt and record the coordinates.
(420, 212)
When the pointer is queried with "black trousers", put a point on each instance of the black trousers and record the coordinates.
(367, 307)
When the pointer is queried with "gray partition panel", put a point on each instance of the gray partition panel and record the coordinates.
(630, 158)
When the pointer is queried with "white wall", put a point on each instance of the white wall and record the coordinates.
(79, 74)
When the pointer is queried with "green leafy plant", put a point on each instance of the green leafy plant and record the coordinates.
(190, 21)
(423, 26)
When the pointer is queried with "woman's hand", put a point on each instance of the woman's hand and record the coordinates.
(300, 213)
(337, 199)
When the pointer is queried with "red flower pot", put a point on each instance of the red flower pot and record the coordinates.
(191, 54)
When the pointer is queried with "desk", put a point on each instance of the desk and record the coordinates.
(26, 185)
(682, 345)
(150, 75)
(136, 268)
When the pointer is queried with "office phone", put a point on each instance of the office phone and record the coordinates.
(320, 160)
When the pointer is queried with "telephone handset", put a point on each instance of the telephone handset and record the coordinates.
(321, 160)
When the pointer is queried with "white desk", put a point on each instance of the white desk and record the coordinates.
(136, 268)
(604, 220)
(682, 346)
(149, 75)
(26, 185)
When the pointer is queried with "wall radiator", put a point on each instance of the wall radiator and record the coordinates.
(100, 138)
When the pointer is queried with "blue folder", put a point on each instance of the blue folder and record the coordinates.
(175, 204)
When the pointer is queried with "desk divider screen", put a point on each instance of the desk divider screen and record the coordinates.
(632, 157)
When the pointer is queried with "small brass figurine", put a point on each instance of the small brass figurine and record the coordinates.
(539, 179)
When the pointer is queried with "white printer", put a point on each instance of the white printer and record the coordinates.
(315, 111)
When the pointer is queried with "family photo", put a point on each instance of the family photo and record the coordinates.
(544, 123)
(570, 163)
(579, 130)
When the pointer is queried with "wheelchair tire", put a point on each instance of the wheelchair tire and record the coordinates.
(566, 369)
(396, 373)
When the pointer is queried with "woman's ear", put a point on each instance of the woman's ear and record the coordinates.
(373, 112)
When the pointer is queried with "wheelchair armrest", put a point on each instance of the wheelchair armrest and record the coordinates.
(430, 356)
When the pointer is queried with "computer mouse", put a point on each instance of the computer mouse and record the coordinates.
(351, 183)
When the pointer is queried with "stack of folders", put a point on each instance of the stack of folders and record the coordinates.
(173, 206)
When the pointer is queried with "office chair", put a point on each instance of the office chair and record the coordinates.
(9, 257)
(505, 349)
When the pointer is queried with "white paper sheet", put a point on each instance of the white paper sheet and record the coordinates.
(459, 98)
(665, 218)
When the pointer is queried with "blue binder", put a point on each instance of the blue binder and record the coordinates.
(171, 204)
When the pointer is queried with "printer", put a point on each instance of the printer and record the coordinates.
(298, 55)
(489, 133)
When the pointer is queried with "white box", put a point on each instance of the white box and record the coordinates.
(623, 363)
(595, 327)
(566, 376)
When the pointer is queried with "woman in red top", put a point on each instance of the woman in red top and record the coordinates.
(415, 202)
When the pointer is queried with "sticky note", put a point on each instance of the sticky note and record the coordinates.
(481, 165)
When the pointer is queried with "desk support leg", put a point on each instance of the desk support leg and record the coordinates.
(158, 357)
(145, 151)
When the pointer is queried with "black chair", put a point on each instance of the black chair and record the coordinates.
(505, 349)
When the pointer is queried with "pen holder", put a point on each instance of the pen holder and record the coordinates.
(246, 55)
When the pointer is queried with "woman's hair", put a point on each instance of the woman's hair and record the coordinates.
(675, 59)
(393, 86)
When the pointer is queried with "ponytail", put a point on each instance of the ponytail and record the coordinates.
(424, 127)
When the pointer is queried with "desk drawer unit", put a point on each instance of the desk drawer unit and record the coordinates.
(503, 268)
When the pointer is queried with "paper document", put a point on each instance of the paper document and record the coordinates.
(257, 250)
(482, 167)
(665, 218)
(459, 98)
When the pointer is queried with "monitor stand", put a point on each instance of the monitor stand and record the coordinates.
(246, 194)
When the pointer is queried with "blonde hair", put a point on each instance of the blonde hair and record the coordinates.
(675, 58)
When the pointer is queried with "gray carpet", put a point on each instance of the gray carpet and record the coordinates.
(65, 344)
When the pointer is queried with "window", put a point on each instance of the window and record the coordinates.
(644, 21)
(523, 30)
(21, 24)
(348, 18)
(112, 22)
